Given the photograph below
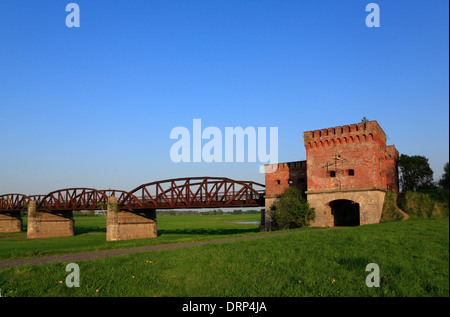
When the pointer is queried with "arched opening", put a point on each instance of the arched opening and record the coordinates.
(345, 212)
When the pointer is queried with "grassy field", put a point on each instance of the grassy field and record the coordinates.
(90, 235)
(413, 257)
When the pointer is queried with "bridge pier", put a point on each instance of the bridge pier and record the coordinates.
(10, 221)
(43, 224)
(267, 213)
(129, 224)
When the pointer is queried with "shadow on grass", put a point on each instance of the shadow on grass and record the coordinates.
(77, 231)
(205, 231)
(354, 262)
(88, 229)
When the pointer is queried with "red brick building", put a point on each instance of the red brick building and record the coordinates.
(347, 171)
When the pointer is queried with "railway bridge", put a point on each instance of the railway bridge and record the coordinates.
(131, 214)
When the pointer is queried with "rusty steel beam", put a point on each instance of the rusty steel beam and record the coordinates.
(14, 202)
(119, 194)
(36, 198)
(195, 192)
(191, 192)
(73, 199)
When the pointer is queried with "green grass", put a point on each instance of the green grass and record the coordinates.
(90, 235)
(413, 257)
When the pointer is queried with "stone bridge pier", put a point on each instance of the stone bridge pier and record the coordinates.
(44, 224)
(10, 221)
(129, 224)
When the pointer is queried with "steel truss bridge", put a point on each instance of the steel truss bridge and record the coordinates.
(179, 193)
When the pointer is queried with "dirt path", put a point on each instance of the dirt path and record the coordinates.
(397, 203)
(85, 256)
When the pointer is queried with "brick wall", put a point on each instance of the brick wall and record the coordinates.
(349, 157)
(283, 175)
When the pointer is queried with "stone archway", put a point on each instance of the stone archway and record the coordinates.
(345, 212)
(370, 204)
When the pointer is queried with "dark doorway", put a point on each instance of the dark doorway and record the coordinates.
(345, 212)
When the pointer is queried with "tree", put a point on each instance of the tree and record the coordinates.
(415, 173)
(444, 181)
(292, 210)
(364, 120)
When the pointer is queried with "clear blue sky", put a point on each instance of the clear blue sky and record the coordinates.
(94, 106)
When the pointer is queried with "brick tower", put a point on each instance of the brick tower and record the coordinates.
(348, 171)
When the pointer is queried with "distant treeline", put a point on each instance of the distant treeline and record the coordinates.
(208, 212)
(87, 213)
(91, 213)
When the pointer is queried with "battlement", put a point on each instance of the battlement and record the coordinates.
(391, 152)
(270, 168)
(283, 175)
(347, 134)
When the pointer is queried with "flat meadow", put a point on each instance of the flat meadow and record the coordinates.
(90, 235)
(413, 257)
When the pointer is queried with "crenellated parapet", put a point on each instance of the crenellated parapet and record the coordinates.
(391, 153)
(343, 135)
(271, 168)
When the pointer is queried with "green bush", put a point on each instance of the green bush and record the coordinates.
(292, 210)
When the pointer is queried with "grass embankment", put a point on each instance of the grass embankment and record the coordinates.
(421, 204)
(426, 204)
(390, 208)
(413, 257)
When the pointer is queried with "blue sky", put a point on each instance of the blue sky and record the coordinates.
(94, 106)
